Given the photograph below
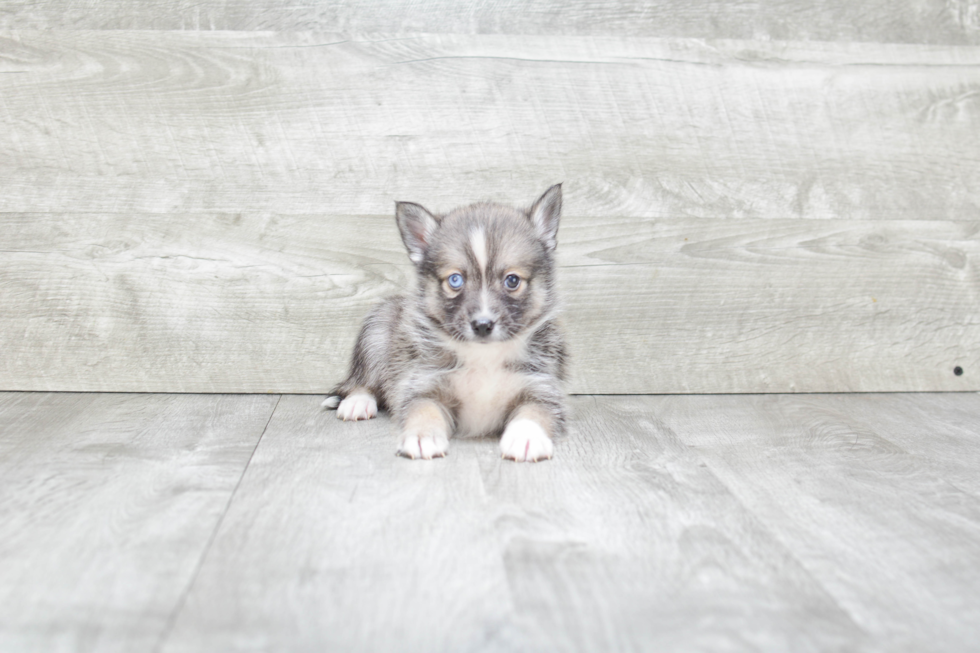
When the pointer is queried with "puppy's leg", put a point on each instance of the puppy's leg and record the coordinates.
(359, 404)
(359, 395)
(426, 431)
(527, 437)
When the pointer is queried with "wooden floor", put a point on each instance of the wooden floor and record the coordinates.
(142, 522)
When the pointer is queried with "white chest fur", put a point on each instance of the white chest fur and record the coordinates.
(485, 386)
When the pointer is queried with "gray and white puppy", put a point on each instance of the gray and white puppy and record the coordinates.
(475, 348)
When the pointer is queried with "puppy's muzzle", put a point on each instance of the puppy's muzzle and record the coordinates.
(482, 328)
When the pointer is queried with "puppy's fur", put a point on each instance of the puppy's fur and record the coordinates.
(475, 348)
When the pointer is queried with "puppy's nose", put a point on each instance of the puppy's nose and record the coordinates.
(482, 327)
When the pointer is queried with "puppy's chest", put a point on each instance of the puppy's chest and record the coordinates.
(484, 386)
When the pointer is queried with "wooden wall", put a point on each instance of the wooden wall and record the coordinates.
(759, 197)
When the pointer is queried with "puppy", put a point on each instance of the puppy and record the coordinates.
(475, 348)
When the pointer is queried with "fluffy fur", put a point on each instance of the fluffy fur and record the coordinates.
(475, 348)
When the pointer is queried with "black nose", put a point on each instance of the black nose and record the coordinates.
(482, 328)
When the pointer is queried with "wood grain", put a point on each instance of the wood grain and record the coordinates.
(161, 122)
(335, 543)
(906, 21)
(109, 502)
(888, 532)
(198, 212)
(270, 303)
(940, 431)
(623, 542)
(628, 542)
(764, 523)
(776, 306)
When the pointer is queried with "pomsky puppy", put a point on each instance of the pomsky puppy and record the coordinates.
(475, 348)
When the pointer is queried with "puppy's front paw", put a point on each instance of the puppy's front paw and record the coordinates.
(357, 406)
(429, 444)
(524, 440)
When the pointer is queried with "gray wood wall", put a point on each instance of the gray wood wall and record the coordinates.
(770, 196)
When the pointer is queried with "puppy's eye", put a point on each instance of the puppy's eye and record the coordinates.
(455, 281)
(512, 281)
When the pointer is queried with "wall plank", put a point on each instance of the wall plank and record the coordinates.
(267, 303)
(306, 123)
(904, 21)
(199, 211)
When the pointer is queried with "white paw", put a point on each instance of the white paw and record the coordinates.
(428, 445)
(357, 406)
(525, 441)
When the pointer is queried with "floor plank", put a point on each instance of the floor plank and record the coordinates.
(108, 504)
(624, 540)
(676, 523)
(334, 543)
(627, 542)
(942, 431)
(888, 533)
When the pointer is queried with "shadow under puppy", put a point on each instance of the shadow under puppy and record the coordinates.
(475, 348)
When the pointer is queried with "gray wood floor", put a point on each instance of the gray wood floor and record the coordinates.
(137, 522)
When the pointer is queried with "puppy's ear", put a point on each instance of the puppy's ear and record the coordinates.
(545, 215)
(416, 225)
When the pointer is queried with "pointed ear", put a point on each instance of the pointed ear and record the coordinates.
(545, 215)
(417, 226)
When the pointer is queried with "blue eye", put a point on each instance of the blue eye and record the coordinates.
(512, 281)
(455, 281)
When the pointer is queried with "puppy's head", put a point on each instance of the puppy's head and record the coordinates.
(486, 270)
